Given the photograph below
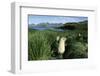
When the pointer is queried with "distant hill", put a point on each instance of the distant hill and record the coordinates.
(31, 25)
(45, 25)
(83, 25)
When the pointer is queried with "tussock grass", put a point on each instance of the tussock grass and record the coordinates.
(39, 44)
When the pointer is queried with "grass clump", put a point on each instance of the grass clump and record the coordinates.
(38, 47)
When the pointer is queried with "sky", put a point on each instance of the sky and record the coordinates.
(36, 19)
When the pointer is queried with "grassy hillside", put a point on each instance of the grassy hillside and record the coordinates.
(42, 45)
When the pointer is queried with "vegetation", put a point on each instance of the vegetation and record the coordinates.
(42, 45)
